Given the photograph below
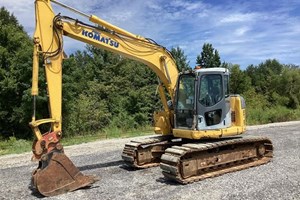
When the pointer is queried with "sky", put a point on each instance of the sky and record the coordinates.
(243, 32)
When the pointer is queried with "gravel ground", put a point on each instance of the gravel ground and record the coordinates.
(279, 179)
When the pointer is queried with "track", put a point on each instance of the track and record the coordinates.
(145, 153)
(190, 162)
(194, 162)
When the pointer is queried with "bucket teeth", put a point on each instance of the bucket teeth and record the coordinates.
(58, 175)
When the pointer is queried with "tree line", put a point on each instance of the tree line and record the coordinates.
(102, 90)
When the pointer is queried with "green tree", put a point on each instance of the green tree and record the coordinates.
(239, 81)
(265, 78)
(85, 106)
(288, 87)
(120, 92)
(15, 77)
(209, 57)
(180, 59)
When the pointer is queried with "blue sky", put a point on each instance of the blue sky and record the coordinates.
(244, 32)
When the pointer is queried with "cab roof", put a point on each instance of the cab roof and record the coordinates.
(214, 69)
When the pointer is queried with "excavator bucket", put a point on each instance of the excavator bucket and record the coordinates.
(57, 174)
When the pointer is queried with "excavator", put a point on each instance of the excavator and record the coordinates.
(199, 127)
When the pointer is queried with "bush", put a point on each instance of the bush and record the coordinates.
(271, 115)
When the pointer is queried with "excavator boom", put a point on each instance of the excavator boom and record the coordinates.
(56, 173)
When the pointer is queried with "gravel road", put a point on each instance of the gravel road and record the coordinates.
(279, 179)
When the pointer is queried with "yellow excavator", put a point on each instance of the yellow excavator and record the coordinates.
(199, 127)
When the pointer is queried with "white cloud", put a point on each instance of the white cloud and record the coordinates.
(239, 17)
(243, 32)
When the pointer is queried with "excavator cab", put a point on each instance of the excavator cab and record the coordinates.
(203, 101)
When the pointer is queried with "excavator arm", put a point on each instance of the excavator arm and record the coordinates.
(48, 43)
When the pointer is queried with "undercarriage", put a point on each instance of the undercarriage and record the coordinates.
(187, 161)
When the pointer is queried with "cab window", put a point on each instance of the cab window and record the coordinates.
(210, 89)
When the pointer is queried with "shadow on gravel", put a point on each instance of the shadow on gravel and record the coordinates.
(119, 163)
(35, 193)
(128, 168)
(166, 181)
(101, 165)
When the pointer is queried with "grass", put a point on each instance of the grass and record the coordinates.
(108, 133)
(13, 145)
(16, 146)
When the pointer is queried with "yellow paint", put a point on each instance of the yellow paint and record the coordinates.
(240, 113)
(218, 133)
(162, 123)
(129, 45)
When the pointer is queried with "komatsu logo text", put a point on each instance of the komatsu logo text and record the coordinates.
(97, 36)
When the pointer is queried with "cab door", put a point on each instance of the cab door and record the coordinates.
(185, 102)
